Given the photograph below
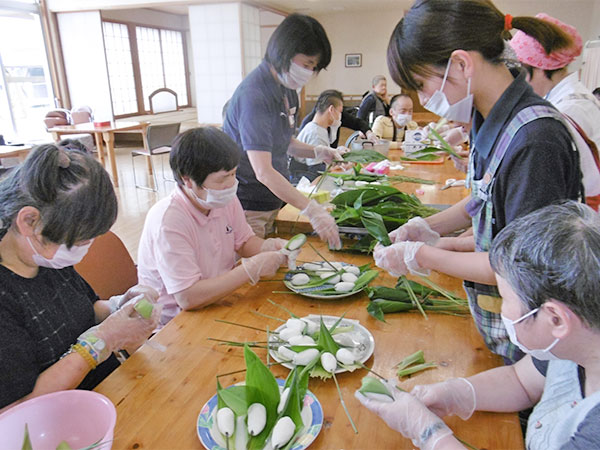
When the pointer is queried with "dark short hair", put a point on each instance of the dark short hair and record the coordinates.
(328, 98)
(298, 34)
(73, 144)
(548, 73)
(553, 253)
(596, 91)
(432, 29)
(398, 96)
(70, 189)
(198, 152)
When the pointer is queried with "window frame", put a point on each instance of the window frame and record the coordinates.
(137, 75)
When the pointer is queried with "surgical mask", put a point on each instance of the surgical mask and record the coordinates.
(461, 111)
(402, 119)
(296, 77)
(337, 123)
(541, 354)
(64, 257)
(217, 198)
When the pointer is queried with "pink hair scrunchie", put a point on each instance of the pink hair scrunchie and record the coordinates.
(530, 52)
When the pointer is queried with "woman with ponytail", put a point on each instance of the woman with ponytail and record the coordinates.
(55, 333)
(523, 157)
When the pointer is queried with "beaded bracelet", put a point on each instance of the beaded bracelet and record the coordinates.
(85, 355)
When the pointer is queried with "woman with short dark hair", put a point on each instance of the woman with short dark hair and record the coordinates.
(192, 239)
(51, 209)
(261, 119)
(523, 157)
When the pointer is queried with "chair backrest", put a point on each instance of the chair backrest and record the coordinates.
(163, 100)
(82, 114)
(57, 117)
(161, 135)
(108, 267)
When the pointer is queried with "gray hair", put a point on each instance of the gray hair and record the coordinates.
(70, 189)
(553, 253)
(377, 79)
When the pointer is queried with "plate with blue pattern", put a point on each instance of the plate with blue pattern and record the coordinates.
(212, 439)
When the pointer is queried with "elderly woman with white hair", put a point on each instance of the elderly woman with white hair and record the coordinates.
(547, 266)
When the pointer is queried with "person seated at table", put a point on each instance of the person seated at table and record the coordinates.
(375, 102)
(596, 93)
(55, 333)
(550, 78)
(329, 107)
(349, 120)
(192, 239)
(548, 269)
(400, 118)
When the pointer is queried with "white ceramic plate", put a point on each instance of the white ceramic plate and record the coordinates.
(362, 339)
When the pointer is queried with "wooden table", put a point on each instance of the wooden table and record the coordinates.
(289, 219)
(159, 395)
(106, 134)
(15, 151)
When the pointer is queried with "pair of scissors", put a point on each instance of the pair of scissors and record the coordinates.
(451, 182)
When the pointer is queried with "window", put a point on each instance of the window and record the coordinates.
(160, 56)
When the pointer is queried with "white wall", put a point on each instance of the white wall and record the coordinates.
(85, 64)
(369, 32)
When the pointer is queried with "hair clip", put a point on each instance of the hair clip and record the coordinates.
(63, 159)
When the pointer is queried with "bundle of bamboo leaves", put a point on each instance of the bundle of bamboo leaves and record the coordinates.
(379, 209)
(412, 296)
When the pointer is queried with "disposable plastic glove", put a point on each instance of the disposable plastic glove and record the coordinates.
(273, 244)
(400, 258)
(410, 417)
(122, 329)
(455, 136)
(454, 396)
(323, 223)
(324, 153)
(417, 230)
(263, 264)
(117, 301)
(372, 137)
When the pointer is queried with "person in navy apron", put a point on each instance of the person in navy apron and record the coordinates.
(261, 119)
(522, 158)
(547, 266)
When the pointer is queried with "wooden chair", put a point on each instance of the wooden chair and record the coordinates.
(108, 267)
(163, 100)
(158, 139)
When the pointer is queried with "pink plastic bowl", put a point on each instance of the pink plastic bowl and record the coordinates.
(79, 417)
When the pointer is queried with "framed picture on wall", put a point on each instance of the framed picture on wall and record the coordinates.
(353, 59)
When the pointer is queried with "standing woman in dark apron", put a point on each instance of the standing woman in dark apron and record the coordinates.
(261, 119)
(523, 157)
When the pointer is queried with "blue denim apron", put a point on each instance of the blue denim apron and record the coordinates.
(485, 301)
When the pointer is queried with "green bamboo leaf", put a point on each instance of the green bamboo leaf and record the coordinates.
(233, 397)
(446, 147)
(364, 279)
(414, 369)
(375, 311)
(325, 341)
(417, 357)
(26, 440)
(363, 156)
(261, 387)
(371, 385)
(375, 226)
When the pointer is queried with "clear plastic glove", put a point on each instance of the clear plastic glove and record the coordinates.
(372, 137)
(454, 396)
(417, 230)
(323, 223)
(122, 329)
(117, 301)
(262, 265)
(400, 258)
(324, 153)
(455, 136)
(273, 244)
(408, 416)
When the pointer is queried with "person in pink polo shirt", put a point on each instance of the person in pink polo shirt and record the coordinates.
(193, 238)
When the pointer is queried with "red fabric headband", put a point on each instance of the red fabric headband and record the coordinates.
(508, 22)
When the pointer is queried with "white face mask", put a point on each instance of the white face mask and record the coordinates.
(217, 198)
(296, 78)
(461, 111)
(541, 354)
(64, 257)
(336, 123)
(402, 119)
